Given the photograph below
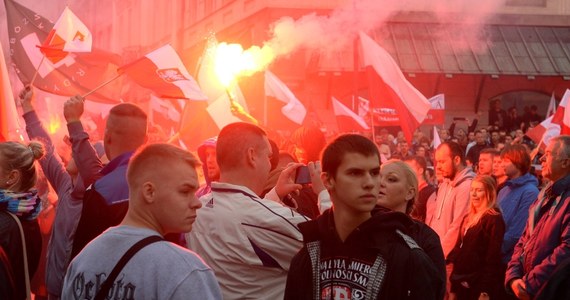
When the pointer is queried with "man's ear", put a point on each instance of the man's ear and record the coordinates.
(456, 160)
(250, 154)
(148, 192)
(327, 180)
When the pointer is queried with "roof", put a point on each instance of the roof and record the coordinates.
(449, 49)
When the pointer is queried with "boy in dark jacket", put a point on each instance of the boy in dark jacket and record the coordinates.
(349, 253)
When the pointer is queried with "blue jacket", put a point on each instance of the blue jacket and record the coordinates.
(538, 253)
(514, 200)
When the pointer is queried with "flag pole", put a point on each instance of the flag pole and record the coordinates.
(37, 70)
(102, 85)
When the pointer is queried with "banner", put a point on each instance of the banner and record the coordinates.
(76, 73)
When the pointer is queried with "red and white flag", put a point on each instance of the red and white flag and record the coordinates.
(347, 119)
(389, 88)
(293, 109)
(436, 115)
(436, 139)
(163, 72)
(542, 133)
(68, 34)
(551, 106)
(363, 107)
(9, 122)
(562, 115)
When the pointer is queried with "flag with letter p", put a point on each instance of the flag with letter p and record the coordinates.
(75, 73)
(68, 34)
(163, 72)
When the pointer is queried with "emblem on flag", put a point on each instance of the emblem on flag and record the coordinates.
(170, 75)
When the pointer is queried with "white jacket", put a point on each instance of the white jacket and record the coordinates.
(249, 242)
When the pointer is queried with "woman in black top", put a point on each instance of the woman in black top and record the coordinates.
(477, 269)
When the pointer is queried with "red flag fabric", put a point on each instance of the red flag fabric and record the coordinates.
(436, 139)
(163, 72)
(562, 115)
(9, 122)
(551, 106)
(542, 133)
(68, 34)
(363, 107)
(76, 73)
(283, 108)
(390, 89)
(436, 114)
(347, 119)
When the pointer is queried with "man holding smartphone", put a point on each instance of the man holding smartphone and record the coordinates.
(248, 241)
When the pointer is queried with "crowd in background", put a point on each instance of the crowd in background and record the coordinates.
(489, 215)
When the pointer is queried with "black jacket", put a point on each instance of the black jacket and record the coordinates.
(12, 282)
(375, 242)
(476, 259)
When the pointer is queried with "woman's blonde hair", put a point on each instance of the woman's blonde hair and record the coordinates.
(410, 177)
(21, 157)
(490, 187)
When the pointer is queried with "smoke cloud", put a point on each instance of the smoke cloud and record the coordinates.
(338, 30)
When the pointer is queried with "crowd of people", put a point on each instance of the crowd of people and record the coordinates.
(475, 217)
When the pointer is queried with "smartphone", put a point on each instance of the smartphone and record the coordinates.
(302, 176)
(459, 119)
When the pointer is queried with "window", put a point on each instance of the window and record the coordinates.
(534, 3)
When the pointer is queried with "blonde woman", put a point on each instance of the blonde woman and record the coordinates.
(476, 258)
(19, 197)
(398, 192)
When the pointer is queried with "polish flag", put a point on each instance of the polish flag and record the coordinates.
(68, 34)
(551, 106)
(542, 133)
(347, 119)
(436, 139)
(293, 109)
(363, 107)
(562, 115)
(163, 72)
(388, 85)
(436, 115)
(9, 122)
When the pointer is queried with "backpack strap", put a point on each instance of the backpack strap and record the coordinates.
(26, 272)
(106, 286)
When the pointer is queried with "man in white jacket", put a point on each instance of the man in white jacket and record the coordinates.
(248, 241)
